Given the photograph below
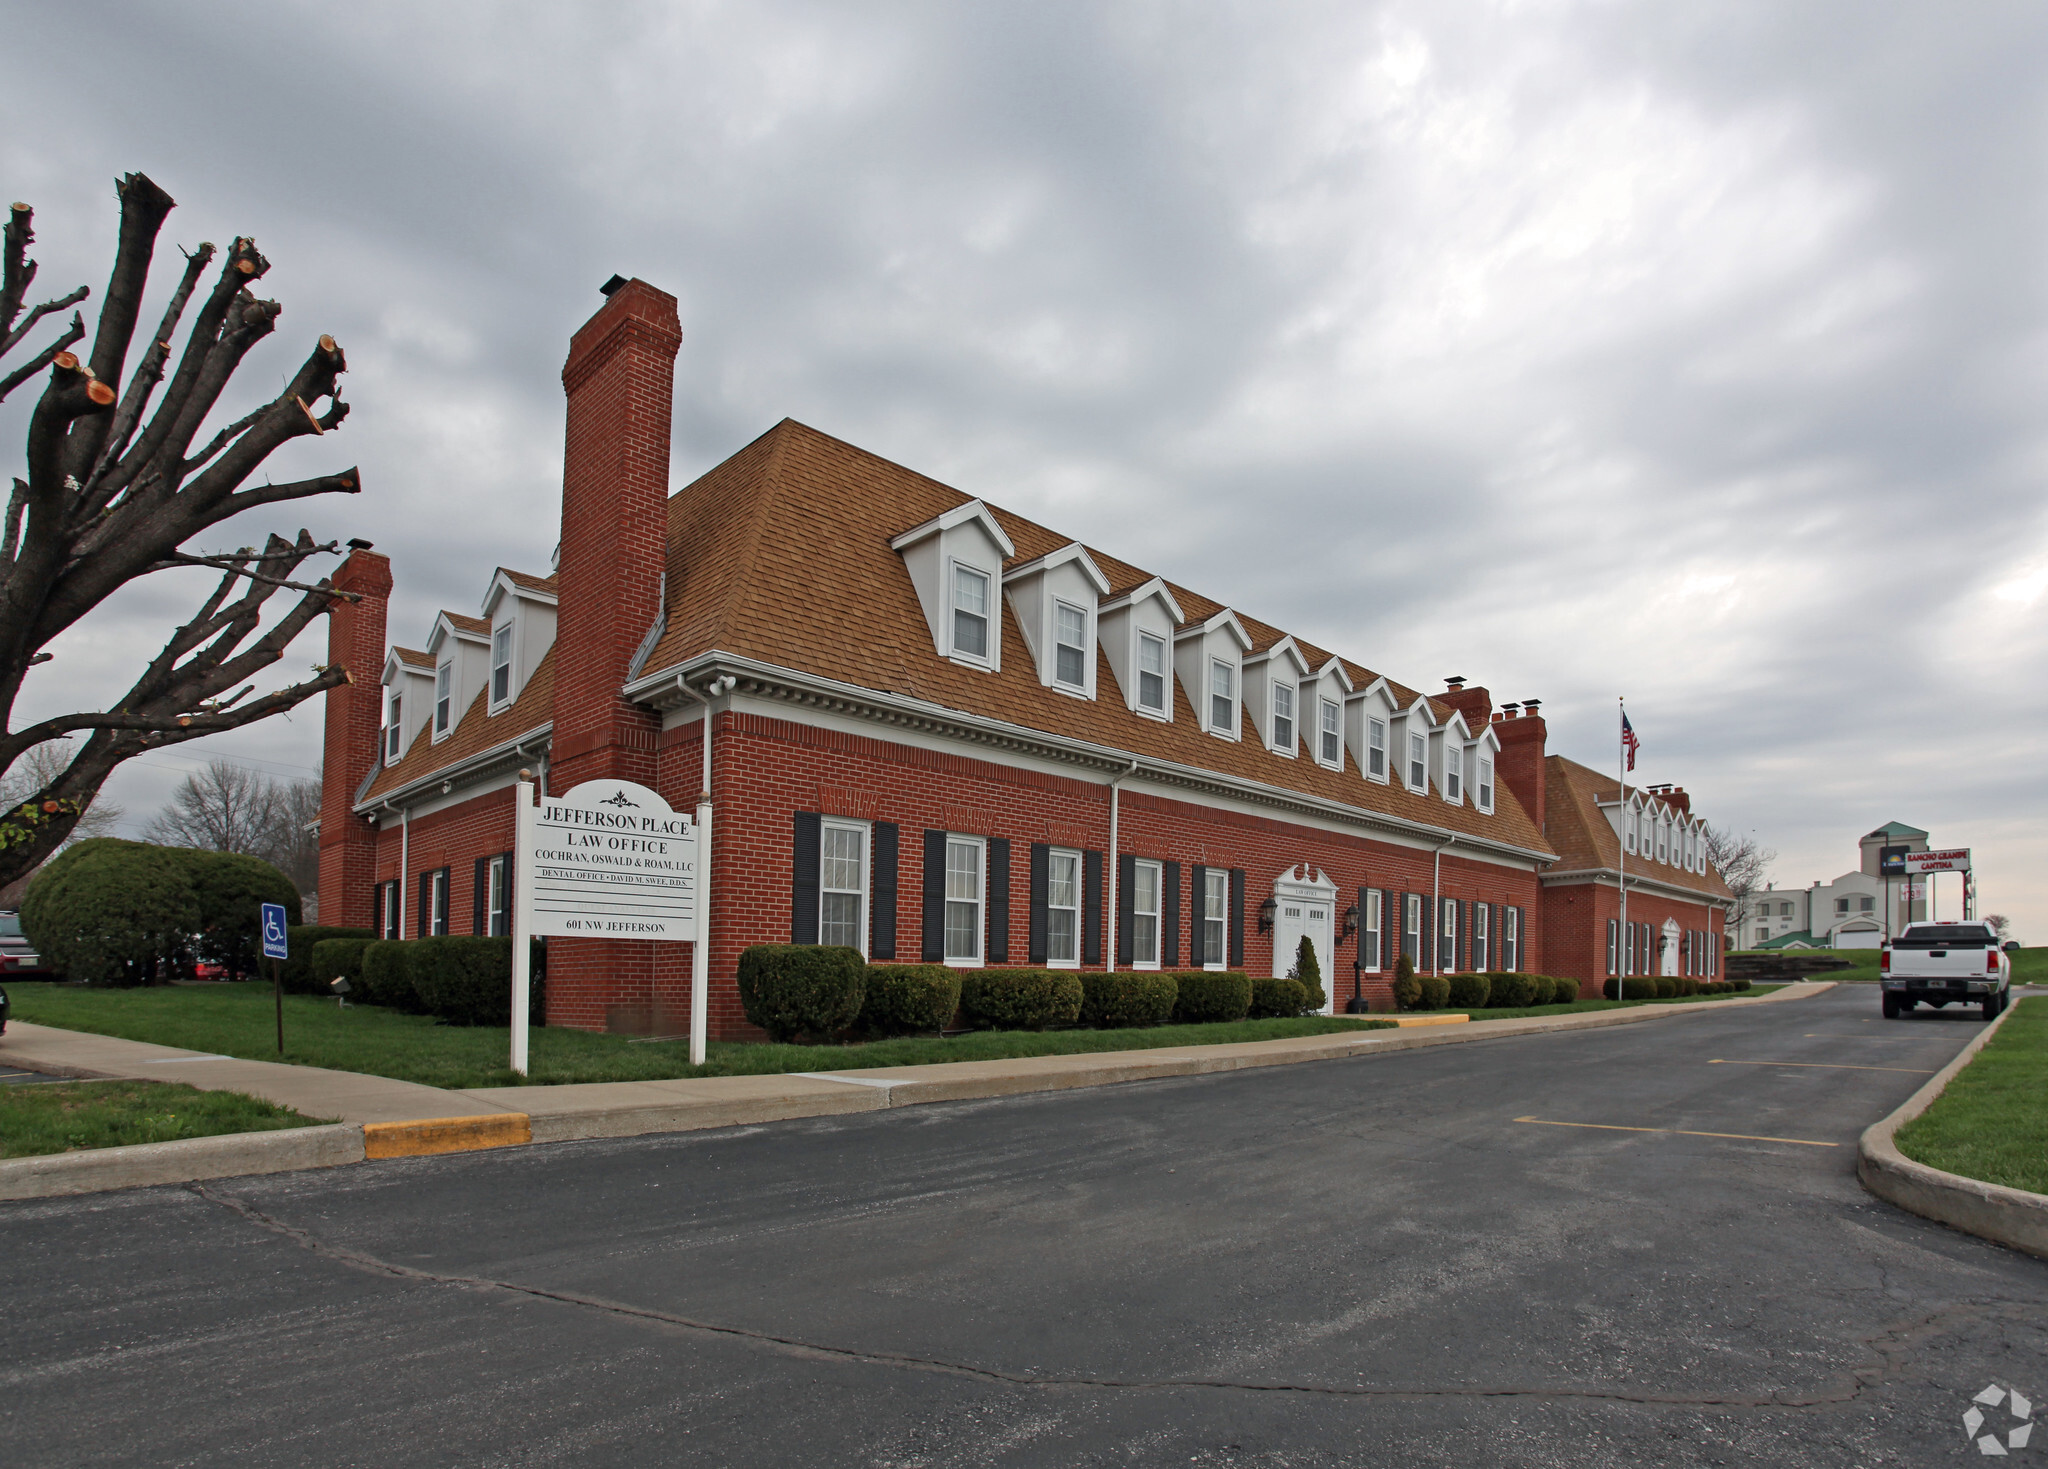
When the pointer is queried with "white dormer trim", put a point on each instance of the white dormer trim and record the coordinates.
(1208, 659)
(1447, 766)
(1362, 709)
(1052, 596)
(1272, 678)
(1074, 554)
(1141, 621)
(1329, 685)
(465, 655)
(947, 557)
(973, 511)
(1482, 770)
(412, 684)
(1155, 587)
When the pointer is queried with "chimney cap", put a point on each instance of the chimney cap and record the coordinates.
(1531, 703)
(357, 543)
(612, 287)
(1455, 683)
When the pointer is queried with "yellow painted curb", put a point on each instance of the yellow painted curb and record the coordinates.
(1407, 1022)
(445, 1135)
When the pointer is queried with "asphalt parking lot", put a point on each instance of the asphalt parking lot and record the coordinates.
(1636, 1245)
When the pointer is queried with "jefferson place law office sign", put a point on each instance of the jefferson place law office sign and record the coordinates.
(610, 859)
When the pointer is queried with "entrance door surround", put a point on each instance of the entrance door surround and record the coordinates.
(1305, 902)
(1668, 950)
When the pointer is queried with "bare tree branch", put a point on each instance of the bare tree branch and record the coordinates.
(73, 333)
(13, 339)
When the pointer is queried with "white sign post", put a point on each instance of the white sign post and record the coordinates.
(607, 859)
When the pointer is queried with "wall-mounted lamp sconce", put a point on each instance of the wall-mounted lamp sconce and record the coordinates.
(1350, 920)
(1266, 911)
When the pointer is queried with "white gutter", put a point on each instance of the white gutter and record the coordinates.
(468, 768)
(1109, 955)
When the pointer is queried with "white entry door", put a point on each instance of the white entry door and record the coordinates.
(1306, 909)
(1669, 956)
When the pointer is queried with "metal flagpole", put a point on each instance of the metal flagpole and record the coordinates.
(1623, 938)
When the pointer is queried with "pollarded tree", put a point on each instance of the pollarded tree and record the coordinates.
(116, 488)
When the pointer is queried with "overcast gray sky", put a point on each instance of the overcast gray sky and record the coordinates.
(1695, 354)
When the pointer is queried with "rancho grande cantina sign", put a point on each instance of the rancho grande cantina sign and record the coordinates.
(611, 860)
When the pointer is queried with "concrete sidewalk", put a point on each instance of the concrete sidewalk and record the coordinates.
(384, 1118)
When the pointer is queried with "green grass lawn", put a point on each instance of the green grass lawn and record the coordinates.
(1989, 1123)
(238, 1020)
(64, 1116)
(2029, 966)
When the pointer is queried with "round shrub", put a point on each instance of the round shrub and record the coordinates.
(1739, 985)
(801, 989)
(1688, 986)
(1275, 999)
(1470, 991)
(231, 889)
(463, 979)
(333, 959)
(1020, 999)
(300, 977)
(1205, 995)
(908, 999)
(1436, 991)
(387, 976)
(107, 911)
(1113, 1001)
(1407, 988)
(1639, 988)
(1308, 971)
(1667, 987)
(1564, 991)
(1508, 990)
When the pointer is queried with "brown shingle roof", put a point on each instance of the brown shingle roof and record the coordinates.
(529, 580)
(413, 656)
(474, 732)
(782, 554)
(1584, 839)
(468, 624)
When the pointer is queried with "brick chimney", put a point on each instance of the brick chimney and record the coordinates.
(620, 381)
(1676, 798)
(1476, 704)
(1521, 734)
(355, 712)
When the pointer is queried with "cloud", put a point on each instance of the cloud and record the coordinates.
(1582, 350)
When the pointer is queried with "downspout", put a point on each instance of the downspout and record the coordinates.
(1109, 954)
(1436, 902)
(404, 864)
(700, 947)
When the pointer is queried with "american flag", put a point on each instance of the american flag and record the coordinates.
(1629, 742)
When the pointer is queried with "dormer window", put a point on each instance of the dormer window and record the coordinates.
(1151, 674)
(394, 731)
(501, 666)
(1222, 697)
(1628, 831)
(1663, 841)
(1418, 763)
(1454, 774)
(1485, 784)
(1330, 733)
(444, 697)
(1376, 748)
(1283, 718)
(970, 613)
(1070, 646)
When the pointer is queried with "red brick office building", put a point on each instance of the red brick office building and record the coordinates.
(940, 732)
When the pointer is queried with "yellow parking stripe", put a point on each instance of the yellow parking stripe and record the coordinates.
(1747, 1137)
(1825, 1066)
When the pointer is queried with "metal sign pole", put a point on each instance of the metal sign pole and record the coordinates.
(700, 947)
(522, 918)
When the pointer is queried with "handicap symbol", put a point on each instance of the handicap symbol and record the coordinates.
(273, 927)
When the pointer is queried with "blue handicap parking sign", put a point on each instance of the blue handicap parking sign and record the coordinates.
(273, 931)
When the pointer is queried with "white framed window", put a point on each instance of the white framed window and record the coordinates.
(1411, 928)
(394, 732)
(1454, 774)
(1485, 784)
(1628, 953)
(970, 613)
(437, 901)
(389, 909)
(1370, 931)
(1222, 697)
(1062, 909)
(498, 897)
(1145, 883)
(501, 666)
(964, 898)
(444, 699)
(1447, 936)
(1628, 832)
(1070, 646)
(1663, 841)
(1418, 763)
(1376, 749)
(1151, 674)
(1330, 733)
(1215, 900)
(1511, 937)
(1283, 718)
(843, 884)
(1613, 945)
(1482, 924)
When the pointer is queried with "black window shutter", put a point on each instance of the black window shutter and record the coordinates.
(998, 950)
(934, 897)
(1198, 916)
(1126, 909)
(882, 904)
(426, 905)
(480, 906)
(1432, 920)
(1041, 887)
(1091, 907)
(803, 882)
(1169, 915)
(377, 909)
(1237, 918)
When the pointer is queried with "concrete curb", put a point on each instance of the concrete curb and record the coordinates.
(696, 1105)
(184, 1161)
(2006, 1216)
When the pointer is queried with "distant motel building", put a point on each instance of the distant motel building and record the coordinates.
(943, 733)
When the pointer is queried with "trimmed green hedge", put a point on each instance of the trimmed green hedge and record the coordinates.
(333, 959)
(459, 978)
(1639, 988)
(1436, 991)
(802, 989)
(300, 976)
(1277, 999)
(1470, 991)
(387, 976)
(1211, 994)
(231, 890)
(108, 911)
(1130, 998)
(1020, 999)
(908, 999)
(1510, 990)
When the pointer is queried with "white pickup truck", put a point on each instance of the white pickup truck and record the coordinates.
(1940, 963)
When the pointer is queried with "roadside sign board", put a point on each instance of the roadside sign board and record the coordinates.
(1955, 859)
(610, 859)
(1891, 861)
(274, 946)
